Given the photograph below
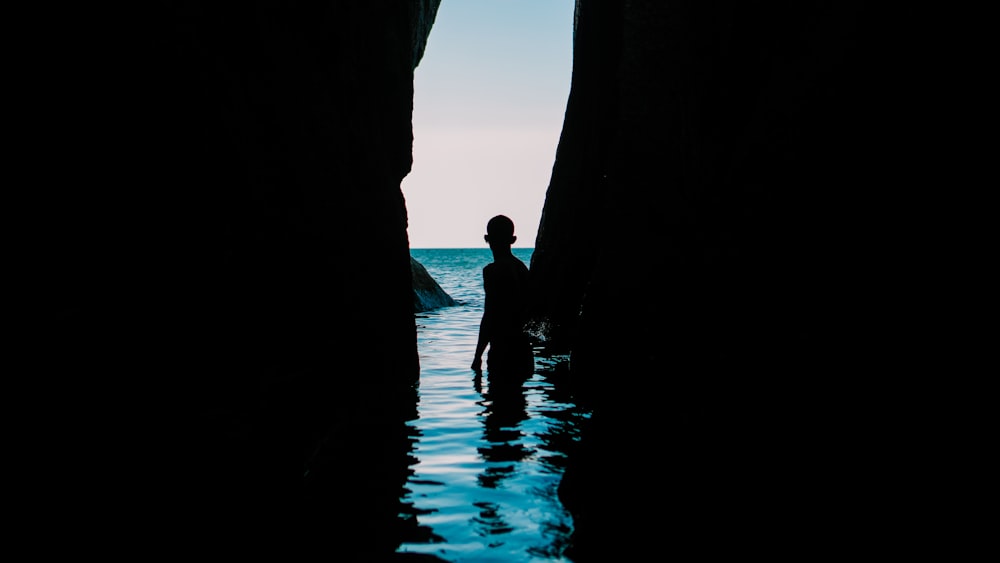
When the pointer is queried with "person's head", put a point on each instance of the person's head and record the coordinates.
(500, 231)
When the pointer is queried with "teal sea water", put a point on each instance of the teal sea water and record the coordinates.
(486, 465)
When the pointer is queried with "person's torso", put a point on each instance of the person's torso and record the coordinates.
(506, 293)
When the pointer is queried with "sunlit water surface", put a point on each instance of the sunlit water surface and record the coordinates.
(488, 464)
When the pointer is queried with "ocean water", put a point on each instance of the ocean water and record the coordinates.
(486, 464)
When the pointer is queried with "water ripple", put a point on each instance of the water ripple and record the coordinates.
(487, 466)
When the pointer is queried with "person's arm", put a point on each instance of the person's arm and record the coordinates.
(484, 339)
(484, 330)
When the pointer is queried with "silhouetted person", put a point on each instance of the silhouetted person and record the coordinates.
(505, 281)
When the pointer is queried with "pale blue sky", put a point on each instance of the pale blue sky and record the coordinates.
(489, 101)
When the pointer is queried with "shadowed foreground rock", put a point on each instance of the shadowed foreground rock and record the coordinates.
(229, 242)
(716, 254)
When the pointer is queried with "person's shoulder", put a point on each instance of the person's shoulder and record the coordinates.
(515, 261)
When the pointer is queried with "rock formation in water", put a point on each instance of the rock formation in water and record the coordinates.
(711, 240)
(427, 293)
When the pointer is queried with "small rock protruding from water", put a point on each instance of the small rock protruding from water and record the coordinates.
(427, 294)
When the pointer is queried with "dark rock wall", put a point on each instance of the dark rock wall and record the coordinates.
(230, 238)
(714, 232)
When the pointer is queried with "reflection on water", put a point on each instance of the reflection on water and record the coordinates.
(488, 456)
(504, 409)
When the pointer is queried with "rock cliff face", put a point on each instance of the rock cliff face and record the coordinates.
(711, 236)
(232, 242)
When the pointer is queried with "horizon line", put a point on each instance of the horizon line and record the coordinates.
(466, 247)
